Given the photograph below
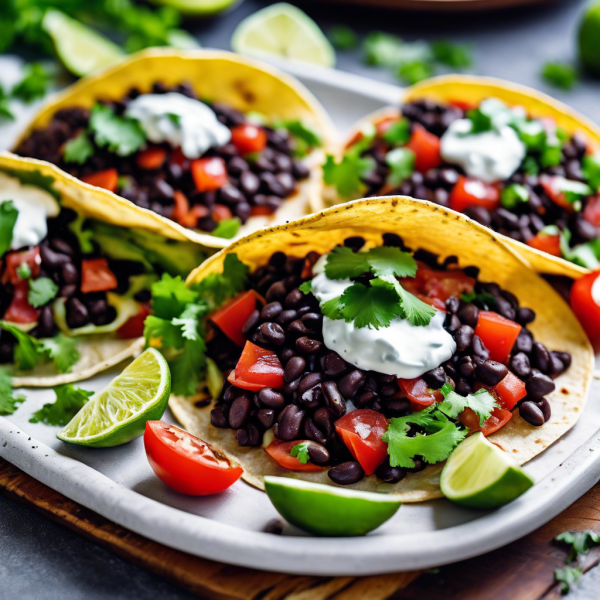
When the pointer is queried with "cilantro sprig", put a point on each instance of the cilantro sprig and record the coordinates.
(300, 451)
(69, 401)
(8, 400)
(8, 218)
(482, 403)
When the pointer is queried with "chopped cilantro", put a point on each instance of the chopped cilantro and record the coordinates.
(6, 113)
(24, 271)
(34, 84)
(436, 444)
(170, 296)
(162, 334)
(490, 114)
(398, 133)
(531, 133)
(69, 401)
(227, 228)
(560, 75)
(513, 195)
(121, 135)
(8, 218)
(27, 349)
(188, 321)
(218, 287)
(79, 149)
(483, 299)
(306, 287)
(8, 400)
(62, 350)
(187, 369)
(84, 236)
(305, 137)
(567, 577)
(374, 306)
(415, 71)
(552, 152)
(402, 165)
(591, 170)
(530, 166)
(342, 263)
(347, 175)
(382, 49)
(573, 191)
(300, 451)
(578, 542)
(586, 254)
(414, 309)
(482, 403)
(41, 291)
(343, 38)
(453, 55)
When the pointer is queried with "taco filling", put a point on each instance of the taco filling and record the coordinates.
(202, 164)
(523, 177)
(373, 361)
(65, 278)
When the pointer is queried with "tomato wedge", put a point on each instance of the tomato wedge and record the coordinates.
(231, 318)
(19, 309)
(472, 192)
(249, 138)
(257, 368)
(546, 243)
(591, 212)
(151, 158)
(96, 276)
(551, 185)
(361, 430)
(498, 419)
(280, 451)
(186, 463)
(107, 180)
(498, 334)
(426, 147)
(14, 260)
(418, 392)
(209, 173)
(134, 327)
(586, 308)
(439, 284)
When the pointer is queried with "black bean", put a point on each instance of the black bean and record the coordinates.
(468, 314)
(276, 291)
(323, 419)
(270, 334)
(556, 365)
(388, 389)
(291, 387)
(544, 406)
(466, 366)
(519, 364)
(479, 214)
(312, 320)
(231, 195)
(333, 364)
(318, 454)
(249, 182)
(565, 358)
(286, 317)
(251, 322)
(232, 392)
(333, 398)
(271, 311)
(524, 342)
(69, 273)
(266, 416)
(452, 323)
(219, 417)
(289, 422)
(449, 368)
(46, 327)
(464, 337)
(297, 328)
(66, 291)
(346, 473)
(538, 386)
(435, 378)
(294, 368)
(309, 381)
(305, 345)
(239, 411)
(294, 299)
(453, 304)
(52, 259)
(541, 357)
(525, 315)
(248, 436)
(61, 246)
(505, 308)
(300, 170)
(237, 165)
(271, 398)
(77, 313)
(420, 464)
(350, 383)
(532, 413)
(277, 259)
(390, 474)
(397, 407)
(463, 387)
(312, 432)
(355, 242)
(491, 372)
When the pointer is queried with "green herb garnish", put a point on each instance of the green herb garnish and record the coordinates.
(34, 84)
(69, 401)
(8, 218)
(343, 38)
(402, 165)
(398, 132)
(79, 149)
(482, 403)
(567, 577)
(227, 228)
(8, 400)
(560, 75)
(41, 291)
(300, 451)
(120, 135)
(513, 195)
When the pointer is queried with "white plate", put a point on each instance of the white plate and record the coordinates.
(119, 484)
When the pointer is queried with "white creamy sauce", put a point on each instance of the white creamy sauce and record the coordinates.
(596, 291)
(181, 121)
(489, 156)
(34, 204)
(402, 349)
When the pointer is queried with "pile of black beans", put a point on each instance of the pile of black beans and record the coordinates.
(264, 182)
(521, 223)
(319, 383)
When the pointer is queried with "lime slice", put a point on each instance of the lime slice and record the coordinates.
(283, 31)
(330, 511)
(80, 48)
(196, 7)
(119, 412)
(480, 475)
(589, 34)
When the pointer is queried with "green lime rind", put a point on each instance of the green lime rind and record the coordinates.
(119, 413)
(329, 511)
(197, 8)
(480, 475)
(589, 36)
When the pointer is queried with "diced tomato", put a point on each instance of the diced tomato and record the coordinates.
(134, 327)
(256, 369)
(418, 392)
(546, 243)
(462, 104)
(231, 318)
(14, 260)
(249, 138)
(186, 463)
(426, 147)
(209, 173)
(96, 276)
(508, 392)
(585, 307)
(361, 430)
(591, 212)
(107, 180)
(182, 207)
(498, 419)
(151, 158)
(431, 283)
(19, 309)
(179, 158)
(280, 451)
(551, 185)
(472, 192)
(259, 211)
(383, 125)
(498, 334)
(221, 212)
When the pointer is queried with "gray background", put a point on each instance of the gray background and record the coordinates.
(41, 560)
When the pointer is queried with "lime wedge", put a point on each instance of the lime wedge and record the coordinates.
(79, 48)
(119, 412)
(196, 7)
(480, 475)
(283, 31)
(330, 511)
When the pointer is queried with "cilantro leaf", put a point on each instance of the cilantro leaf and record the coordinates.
(6, 113)
(188, 368)
(347, 175)
(591, 170)
(69, 401)
(579, 542)
(34, 84)
(343, 263)
(121, 135)
(332, 309)
(413, 309)
(398, 133)
(402, 165)
(170, 296)
(8, 401)
(513, 195)
(41, 291)
(453, 55)
(8, 218)
(382, 49)
(218, 287)
(586, 254)
(79, 149)
(300, 451)
(28, 351)
(24, 271)
(560, 75)
(227, 228)
(305, 137)
(567, 577)
(162, 334)
(415, 71)
(62, 350)
(188, 321)
(84, 236)
(482, 403)
(442, 436)
(306, 287)
(531, 133)
(373, 307)
(343, 38)
(490, 114)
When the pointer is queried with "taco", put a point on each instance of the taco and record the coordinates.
(505, 155)
(359, 345)
(208, 139)
(76, 269)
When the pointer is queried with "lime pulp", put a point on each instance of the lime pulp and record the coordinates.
(196, 7)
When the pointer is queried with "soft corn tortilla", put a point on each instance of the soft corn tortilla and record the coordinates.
(472, 89)
(97, 352)
(422, 225)
(245, 84)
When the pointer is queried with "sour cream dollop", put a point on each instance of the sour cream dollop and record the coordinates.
(488, 156)
(35, 206)
(402, 349)
(181, 121)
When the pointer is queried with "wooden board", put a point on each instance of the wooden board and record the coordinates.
(446, 5)
(522, 570)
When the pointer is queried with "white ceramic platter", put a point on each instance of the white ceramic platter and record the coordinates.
(119, 484)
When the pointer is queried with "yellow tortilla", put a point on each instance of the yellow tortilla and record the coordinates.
(97, 352)
(430, 227)
(243, 83)
(472, 89)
